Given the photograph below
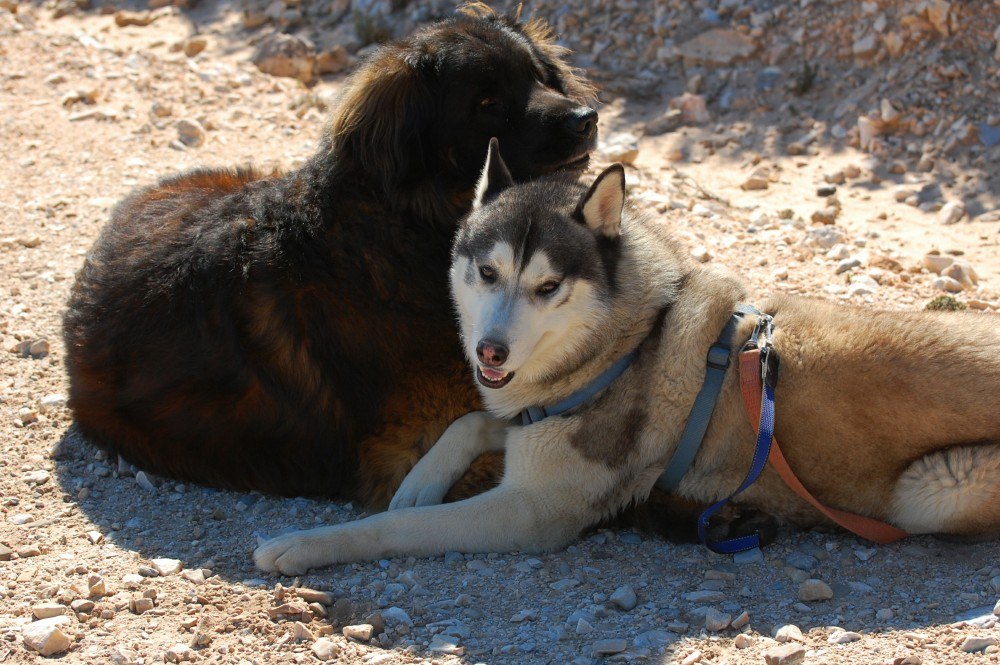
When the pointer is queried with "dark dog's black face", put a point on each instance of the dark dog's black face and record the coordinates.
(419, 115)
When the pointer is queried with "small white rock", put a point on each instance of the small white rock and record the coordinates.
(948, 284)
(813, 589)
(144, 482)
(843, 637)
(325, 648)
(361, 632)
(48, 610)
(974, 644)
(742, 641)
(716, 620)
(789, 633)
(624, 597)
(166, 566)
(701, 253)
(952, 212)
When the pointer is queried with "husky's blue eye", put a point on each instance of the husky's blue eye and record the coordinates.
(548, 288)
(488, 274)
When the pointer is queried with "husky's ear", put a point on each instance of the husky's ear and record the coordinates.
(495, 176)
(601, 207)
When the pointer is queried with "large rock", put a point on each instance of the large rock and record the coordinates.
(46, 636)
(288, 56)
(717, 48)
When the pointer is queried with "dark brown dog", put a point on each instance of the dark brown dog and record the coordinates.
(293, 333)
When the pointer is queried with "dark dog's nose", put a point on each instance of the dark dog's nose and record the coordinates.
(582, 121)
(491, 353)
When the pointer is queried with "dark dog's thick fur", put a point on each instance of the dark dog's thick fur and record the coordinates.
(293, 333)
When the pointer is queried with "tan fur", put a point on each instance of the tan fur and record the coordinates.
(887, 414)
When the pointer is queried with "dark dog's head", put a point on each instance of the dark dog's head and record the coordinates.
(417, 117)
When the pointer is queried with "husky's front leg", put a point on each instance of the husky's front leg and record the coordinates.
(544, 501)
(465, 439)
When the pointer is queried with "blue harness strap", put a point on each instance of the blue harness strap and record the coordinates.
(760, 357)
(534, 414)
(717, 363)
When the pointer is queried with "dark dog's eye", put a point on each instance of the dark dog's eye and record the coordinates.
(491, 105)
(548, 288)
(488, 274)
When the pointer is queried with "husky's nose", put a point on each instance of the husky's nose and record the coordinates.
(582, 122)
(491, 353)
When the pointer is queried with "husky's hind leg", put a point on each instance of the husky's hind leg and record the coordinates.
(954, 491)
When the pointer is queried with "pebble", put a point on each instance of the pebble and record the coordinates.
(948, 284)
(789, 633)
(361, 632)
(786, 654)
(140, 605)
(963, 273)
(446, 644)
(826, 190)
(742, 641)
(693, 108)
(179, 653)
(190, 132)
(742, 620)
(716, 620)
(624, 597)
(885, 614)
(195, 575)
(692, 658)
(608, 647)
(325, 649)
(748, 557)
(757, 180)
(847, 264)
(144, 482)
(39, 477)
(50, 402)
(937, 262)
(813, 589)
(621, 147)
(39, 348)
(973, 644)
(47, 610)
(843, 637)
(951, 212)
(704, 597)
(82, 606)
(827, 215)
(5, 552)
(20, 518)
(668, 122)
(286, 55)
(583, 627)
(701, 253)
(46, 636)
(166, 566)
(838, 252)
(301, 632)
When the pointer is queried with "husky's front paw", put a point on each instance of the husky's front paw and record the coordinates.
(424, 485)
(293, 553)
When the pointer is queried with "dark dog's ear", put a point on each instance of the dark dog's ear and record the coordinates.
(601, 207)
(382, 114)
(571, 81)
(495, 177)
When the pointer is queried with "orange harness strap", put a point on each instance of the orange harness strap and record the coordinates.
(866, 527)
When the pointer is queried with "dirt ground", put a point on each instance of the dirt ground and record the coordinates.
(146, 570)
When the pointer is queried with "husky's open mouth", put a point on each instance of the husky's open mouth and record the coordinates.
(493, 378)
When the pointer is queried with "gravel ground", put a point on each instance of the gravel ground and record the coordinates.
(130, 568)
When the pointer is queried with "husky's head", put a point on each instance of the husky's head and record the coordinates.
(533, 271)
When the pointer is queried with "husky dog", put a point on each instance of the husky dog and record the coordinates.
(891, 415)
